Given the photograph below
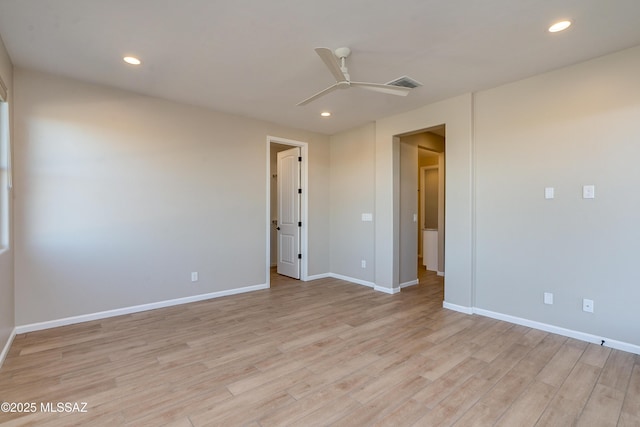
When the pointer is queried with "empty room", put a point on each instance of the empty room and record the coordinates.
(349, 213)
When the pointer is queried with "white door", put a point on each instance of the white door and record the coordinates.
(289, 212)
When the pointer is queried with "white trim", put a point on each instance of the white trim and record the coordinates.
(304, 184)
(409, 283)
(441, 273)
(352, 280)
(133, 309)
(7, 347)
(368, 284)
(390, 291)
(458, 308)
(582, 336)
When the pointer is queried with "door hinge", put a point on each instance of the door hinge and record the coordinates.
(299, 256)
(299, 159)
(299, 223)
(299, 190)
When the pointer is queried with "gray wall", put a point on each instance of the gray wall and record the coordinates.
(352, 194)
(7, 319)
(575, 126)
(121, 196)
(408, 228)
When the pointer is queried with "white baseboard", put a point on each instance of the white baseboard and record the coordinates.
(390, 291)
(441, 273)
(352, 280)
(409, 283)
(7, 347)
(458, 308)
(582, 336)
(368, 284)
(133, 309)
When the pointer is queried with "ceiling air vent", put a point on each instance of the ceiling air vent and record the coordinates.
(405, 81)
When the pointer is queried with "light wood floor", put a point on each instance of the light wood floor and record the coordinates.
(319, 353)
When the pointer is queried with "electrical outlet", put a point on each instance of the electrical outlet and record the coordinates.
(363, 263)
(548, 298)
(587, 305)
(194, 276)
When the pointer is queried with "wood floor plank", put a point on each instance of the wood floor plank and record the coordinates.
(595, 355)
(404, 415)
(528, 407)
(494, 403)
(325, 352)
(449, 410)
(384, 403)
(558, 369)
(314, 401)
(568, 403)
(617, 370)
(602, 408)
(329, 413)
(631, 406)
(439, 389)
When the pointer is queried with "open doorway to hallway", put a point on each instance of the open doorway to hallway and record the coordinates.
(422, 205)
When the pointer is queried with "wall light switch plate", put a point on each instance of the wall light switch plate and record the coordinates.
(548, 298)
(549, 193)
(367, 217)
(589, 192)
(194, 276)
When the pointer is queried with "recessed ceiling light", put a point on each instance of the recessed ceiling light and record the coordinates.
(131, 60)
(559, 26)
(325, 114)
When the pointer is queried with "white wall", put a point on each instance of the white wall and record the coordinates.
(120, 196)
(7, 319)
(575, 126)
(352, 194)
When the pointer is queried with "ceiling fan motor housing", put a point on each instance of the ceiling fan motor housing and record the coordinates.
(342, 52)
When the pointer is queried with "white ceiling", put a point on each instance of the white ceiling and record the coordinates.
(255, 58)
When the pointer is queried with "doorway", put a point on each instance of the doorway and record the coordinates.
(421, 205)
(286, 239)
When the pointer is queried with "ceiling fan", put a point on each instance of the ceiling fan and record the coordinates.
(335, 62)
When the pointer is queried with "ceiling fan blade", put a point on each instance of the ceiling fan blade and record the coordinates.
(331, 61)
(318, 95)
(378, 87)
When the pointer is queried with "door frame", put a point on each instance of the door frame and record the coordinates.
(304, 203)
